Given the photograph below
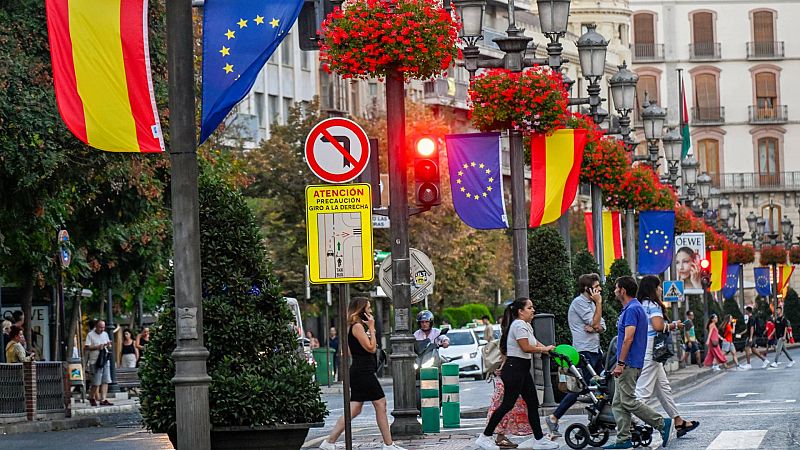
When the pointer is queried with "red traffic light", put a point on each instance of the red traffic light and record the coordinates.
(705, 264)
(426, 146)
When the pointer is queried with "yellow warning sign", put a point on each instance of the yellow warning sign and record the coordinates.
(339, 231)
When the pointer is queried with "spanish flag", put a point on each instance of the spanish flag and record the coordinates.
(719, 269)
(555, 168)
(612, 237)
(784, 274)
(101, 72)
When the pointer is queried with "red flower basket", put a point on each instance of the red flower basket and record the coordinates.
(741, 254)
(532, 101)
(794, 254)
(772, 254)
(373, 38)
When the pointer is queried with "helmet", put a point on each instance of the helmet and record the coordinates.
(425, 315)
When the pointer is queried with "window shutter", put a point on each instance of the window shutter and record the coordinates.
(763, 27)
(766, 85)
(703, 27)
(643, 30)
(649, 84)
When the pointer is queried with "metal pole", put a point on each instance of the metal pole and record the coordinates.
(630, 239)
(140, 309)
(403, 355)
(597, 228)
(191, 377)
(344, 351)
(328, 342)
(519, 221)
(112, 387)
(741, 287)
(563, 230)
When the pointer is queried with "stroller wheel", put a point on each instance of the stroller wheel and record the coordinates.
(598, 437)
(577, 436)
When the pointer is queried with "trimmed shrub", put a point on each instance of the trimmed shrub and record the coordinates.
(612, 306)
(791, 308)
(550, 278)
(258, 377)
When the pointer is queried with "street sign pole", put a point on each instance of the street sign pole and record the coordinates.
(344, 352)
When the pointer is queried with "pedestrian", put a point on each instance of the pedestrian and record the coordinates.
(727, 326)
(653, 379)
(488, 331)
(779, 334)
(129, 352)
(518, 344)
(98, 364)
(632, 344)
(313, 342)
(333, 342)
(364, 385)
(713, 351)
(515, 422)
(586, 323)
(142, 339)
(15, 349)
(690, 341)
(751, 336)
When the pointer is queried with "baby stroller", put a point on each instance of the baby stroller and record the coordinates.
(600, 417)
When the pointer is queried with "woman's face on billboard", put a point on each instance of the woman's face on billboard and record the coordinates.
(684, 263)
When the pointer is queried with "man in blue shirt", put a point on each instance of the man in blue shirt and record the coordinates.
(631, 347)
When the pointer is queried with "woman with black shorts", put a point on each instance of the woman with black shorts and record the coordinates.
(518, 344)
(364, 384)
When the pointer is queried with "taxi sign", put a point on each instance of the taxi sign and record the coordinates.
(339, 232)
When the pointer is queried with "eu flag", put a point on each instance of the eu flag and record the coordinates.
(763, 286)
(731, 281)
(475, 179)
(239, 36)
(656, 241)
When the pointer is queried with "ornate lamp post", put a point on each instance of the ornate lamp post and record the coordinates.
(689, 170)
(673, 143)
(704, 186)
(653, 117)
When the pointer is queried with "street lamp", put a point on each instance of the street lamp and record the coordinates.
(471, 13)
(673, 143)
(553, 17)
(689, 170)
(623, 90)
(653, 117)
(787, 227)
(704, 186)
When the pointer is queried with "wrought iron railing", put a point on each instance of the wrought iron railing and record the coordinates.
(755, 181)
(708, 115)
(768, 114)
(446, 91)
(12, 390)
(765, 50)
(648, 52)
(705, 51)
(49, 387)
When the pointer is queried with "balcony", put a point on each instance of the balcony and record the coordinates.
(705, 51)
(757, 182)
(446, 92)
(713, 115)
(768, 115)
(648, 53)
(764, 50)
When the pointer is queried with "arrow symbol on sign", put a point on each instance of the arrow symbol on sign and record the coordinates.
(743, 394)
(341, 143)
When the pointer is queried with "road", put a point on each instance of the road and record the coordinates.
(737, 410)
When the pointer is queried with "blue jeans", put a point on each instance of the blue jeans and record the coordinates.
(595, 359)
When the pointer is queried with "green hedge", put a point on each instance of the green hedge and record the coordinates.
(462, 315)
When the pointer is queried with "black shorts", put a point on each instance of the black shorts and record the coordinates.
(691, 347)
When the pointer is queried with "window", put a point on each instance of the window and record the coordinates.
(708, 154)
(763, 30)
(703, 34)
(644, 35)
(768, 161)
(706, 97)
(287, 106)
(766, 94)
(258, 98)
(305, 60)
(647, 84)
(274, 108)
(373, 89)
(287, 51)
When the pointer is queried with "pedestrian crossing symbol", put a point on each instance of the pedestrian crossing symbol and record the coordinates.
(673, 291)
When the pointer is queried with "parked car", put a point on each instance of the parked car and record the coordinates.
(495, 327)
(465, 351)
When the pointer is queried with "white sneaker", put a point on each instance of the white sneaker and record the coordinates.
(486, 442)
(325, 445)
(790, 364)
(773, 364)
(540, 444)
(715, 368)
(747, 366)
(392, 447)
(765, 365)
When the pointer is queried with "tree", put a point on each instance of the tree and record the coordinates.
(583, 262)
(258, 378)
(612, 306)
(791, 308)
(550, 278)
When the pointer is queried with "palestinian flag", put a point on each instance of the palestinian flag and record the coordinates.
(684, 119)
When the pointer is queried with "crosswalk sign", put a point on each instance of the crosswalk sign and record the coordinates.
(673, 291)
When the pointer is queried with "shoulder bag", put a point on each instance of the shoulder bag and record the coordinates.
(662, 346)
(492, 358)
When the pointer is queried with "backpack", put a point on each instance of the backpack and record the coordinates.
(491, 356)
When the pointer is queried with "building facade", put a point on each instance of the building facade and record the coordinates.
(738, 63)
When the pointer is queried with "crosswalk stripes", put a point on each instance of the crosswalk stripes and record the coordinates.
(738, 440)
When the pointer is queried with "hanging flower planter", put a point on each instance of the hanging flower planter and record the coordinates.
(532, 101)
(772, 254)
(741, 254)
(376, 38)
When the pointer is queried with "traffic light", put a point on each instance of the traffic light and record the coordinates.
(705, 273)
(312, 13)
(427, 177)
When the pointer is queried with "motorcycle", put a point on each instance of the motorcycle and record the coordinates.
(428, 356)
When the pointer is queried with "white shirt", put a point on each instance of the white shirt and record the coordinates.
(519, 330)
(93, 339)
(434, 335)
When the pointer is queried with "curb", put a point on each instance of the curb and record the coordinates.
(49, 425)
(105, 410)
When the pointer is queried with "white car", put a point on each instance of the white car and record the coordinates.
(495, 327)
(465, 351)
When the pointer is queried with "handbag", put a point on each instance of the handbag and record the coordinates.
(102, 358)
(492, 357)
(662, 347)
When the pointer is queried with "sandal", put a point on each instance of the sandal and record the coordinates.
(505, 443)
(686, 426)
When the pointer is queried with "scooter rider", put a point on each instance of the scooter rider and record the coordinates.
(426, 330)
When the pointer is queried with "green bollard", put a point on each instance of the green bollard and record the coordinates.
(451, 402)
(429, 396)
